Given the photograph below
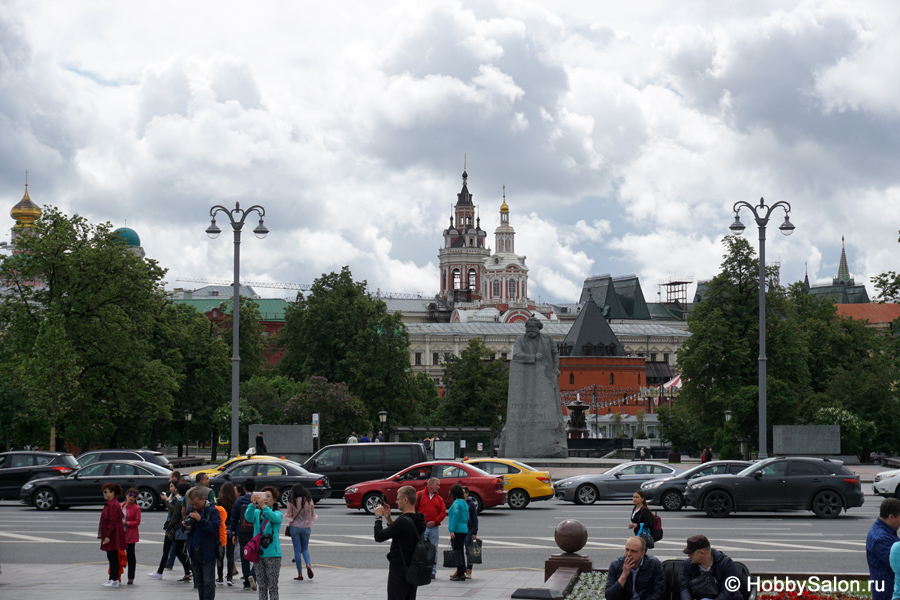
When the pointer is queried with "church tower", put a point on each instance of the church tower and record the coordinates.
(505, 273)
(461, 257)
(25, 213)
(505, 235)
(843, 276)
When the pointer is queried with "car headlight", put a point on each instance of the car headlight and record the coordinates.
(27, 486)
(885, 476)
(651, 485)
(697, 486)
(351, 490)
(563, 484)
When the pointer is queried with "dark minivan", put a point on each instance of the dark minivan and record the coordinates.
(349, 464)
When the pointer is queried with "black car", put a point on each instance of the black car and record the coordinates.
(796, 483)
(280, 474)
(668, 491)
(92, 456)
(349, 464)
(18, 468)
(82, 487)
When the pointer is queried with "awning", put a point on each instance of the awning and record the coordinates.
(659, 370)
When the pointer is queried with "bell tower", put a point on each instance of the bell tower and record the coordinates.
(464, 249)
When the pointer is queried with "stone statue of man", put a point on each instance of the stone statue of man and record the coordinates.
(534, 423)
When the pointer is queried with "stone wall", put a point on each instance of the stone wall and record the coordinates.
(294, 442)
(806, 440)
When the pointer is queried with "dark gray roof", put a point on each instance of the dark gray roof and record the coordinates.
(628, 289)
(702, 286)
(841, 294)
(603, 293)
(591, 335)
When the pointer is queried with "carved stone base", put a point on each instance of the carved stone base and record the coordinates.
(567, 560)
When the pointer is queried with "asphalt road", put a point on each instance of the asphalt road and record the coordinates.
(789, 541)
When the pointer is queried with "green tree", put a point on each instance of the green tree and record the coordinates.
(270, 395)
(425, 399)
(477, 388)
(340, 413)
(341, 333)
(887, 286)
(100, 300)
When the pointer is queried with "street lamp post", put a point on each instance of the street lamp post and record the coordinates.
(187, 417)
(236, 216)
(382, 418)
(737, 228)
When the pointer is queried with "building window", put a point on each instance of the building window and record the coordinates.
(571, 378)
(653, 357)
(472, 284)
(457, 283)
(418, 358)
(666, 358)
(511, 289)
(447, 357)
(503, 356)
(612, 378)
(435, 358)
(495, 289)
(639, 379)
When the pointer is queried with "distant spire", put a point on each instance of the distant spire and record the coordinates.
(843, 276)
(806, 277)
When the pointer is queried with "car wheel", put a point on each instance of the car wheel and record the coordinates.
(372, 501)
(586, 494)
(672, 500)
(479, 503)
(827, 505)
(285, 497)
(718, 504)
(45, 499)
(146, 499)
(518, 499)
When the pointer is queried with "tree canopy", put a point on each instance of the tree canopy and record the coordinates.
(477, 388)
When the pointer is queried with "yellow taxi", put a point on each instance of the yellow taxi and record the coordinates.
(229, 463)
(523, 484)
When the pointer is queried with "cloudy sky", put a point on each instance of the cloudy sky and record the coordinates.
(623, 131)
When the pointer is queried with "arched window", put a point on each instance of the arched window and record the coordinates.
(511, 289)
(612, 379)
(472, 284)
(457, 284)
(495, 289)
(571, 378)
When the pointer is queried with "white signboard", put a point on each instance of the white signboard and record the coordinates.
(315, 425)
(444, 451)
(462, 444)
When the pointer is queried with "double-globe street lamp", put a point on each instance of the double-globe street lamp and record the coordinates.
(237, 215)
(762, 213)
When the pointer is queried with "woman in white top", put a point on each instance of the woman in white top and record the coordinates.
(301, 512)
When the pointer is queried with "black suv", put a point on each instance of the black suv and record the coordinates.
(92, 456)
(18, 468)
(821, 485)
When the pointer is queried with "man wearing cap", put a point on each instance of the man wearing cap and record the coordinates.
(706, 570)
(635, 576)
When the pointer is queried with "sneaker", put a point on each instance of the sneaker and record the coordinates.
(433, 576)
(219, 581)
(229, 583)
(252, 581)
(185, 579)
(154, 575)
(111, 583)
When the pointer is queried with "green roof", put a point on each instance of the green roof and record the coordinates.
(130, 236)
(270, 309)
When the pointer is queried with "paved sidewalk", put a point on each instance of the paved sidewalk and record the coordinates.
(84, 581)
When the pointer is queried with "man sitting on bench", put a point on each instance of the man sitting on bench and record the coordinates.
(635, 576)
(705, 572)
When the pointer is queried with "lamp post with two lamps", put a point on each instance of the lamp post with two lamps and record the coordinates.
(236, 216)
(761, 214)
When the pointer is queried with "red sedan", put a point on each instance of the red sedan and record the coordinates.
(486, 489)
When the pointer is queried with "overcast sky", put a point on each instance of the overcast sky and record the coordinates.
(623, 131)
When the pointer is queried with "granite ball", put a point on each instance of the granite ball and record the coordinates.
(570, 536)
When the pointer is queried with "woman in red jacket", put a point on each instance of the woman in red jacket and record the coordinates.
(111, 532)
(132, 517)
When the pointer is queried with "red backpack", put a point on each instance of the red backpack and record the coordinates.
(656, 530)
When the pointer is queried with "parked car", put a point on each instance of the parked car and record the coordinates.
(821, 485)
(668, 491)
(618, 483)
(349, 464)
(82, 486)
(886, 483)
(230, 463)
(18, 468)
(523, 484)
(487, 490)
(92, 456)
(280, 474)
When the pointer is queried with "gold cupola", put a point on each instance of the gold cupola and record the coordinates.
(504, 208)
(25, 212)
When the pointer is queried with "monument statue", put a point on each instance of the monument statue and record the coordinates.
(534, 422)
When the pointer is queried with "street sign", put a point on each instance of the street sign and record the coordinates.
(315, 425)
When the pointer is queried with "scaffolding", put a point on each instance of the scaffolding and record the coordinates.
(677, 288)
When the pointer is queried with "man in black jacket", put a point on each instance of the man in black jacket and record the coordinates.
(404, 534)
(635, 575)
(716, 568)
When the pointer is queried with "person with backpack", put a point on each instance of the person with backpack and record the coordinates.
(203, 522)
(173, 523)
(473, 529)
(242, 532)
(404, 534)
(640, 514)
(263, 512)
(432, 507)
(705, 572)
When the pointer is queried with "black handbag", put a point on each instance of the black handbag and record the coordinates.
(704, 585)
(473, 552)
(644, 534)
(451, 559)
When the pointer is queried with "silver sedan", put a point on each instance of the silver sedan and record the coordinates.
(619, 483)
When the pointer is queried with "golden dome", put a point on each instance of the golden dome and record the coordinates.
(503, 207)
(25, 212)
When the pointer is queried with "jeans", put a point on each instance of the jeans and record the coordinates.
(204, 575)
(433, 535)
(248, 569)
(300, 540)
(468, 545)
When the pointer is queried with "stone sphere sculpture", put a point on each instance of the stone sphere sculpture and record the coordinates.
(570, 536)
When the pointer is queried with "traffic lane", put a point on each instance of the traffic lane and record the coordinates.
(790, 541)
